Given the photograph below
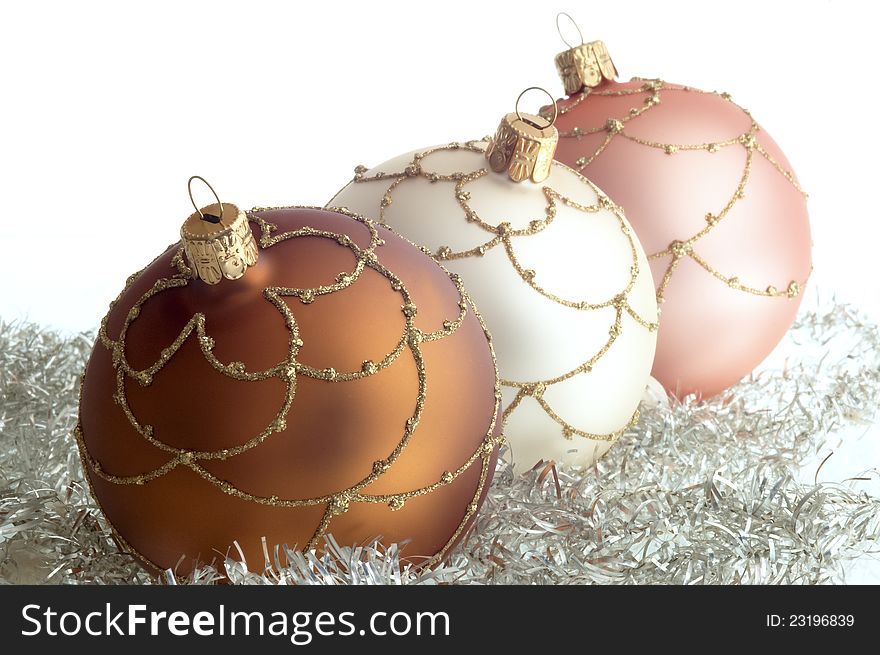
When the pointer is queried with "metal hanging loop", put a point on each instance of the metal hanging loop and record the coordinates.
(552, 99)
(189, 189)
(559, 29)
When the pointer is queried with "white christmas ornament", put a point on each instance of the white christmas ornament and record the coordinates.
(556, 271)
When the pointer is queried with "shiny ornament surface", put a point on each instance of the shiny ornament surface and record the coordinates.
(717, 208)
(344, 385)
(558, 275)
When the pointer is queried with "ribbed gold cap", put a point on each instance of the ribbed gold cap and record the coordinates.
(218, 241)
(524, 145)
(586, 65)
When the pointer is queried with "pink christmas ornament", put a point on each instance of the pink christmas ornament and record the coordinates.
(714, 203)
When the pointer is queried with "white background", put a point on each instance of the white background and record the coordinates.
(106, 108)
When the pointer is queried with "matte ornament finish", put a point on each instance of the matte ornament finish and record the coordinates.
(559, 276)
(718, 210)
(344, 385)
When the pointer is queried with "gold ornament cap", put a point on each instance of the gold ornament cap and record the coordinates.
(218, 240)
(524, 144)
(585, 65)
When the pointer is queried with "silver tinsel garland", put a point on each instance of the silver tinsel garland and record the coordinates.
(697, 493)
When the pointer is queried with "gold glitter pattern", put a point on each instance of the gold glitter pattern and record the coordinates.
(412, 340)
(652, 91)
(503, 235)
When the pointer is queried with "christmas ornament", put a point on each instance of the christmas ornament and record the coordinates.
(686, 465)
(282, 375)
(714, 203)
(554, 267)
